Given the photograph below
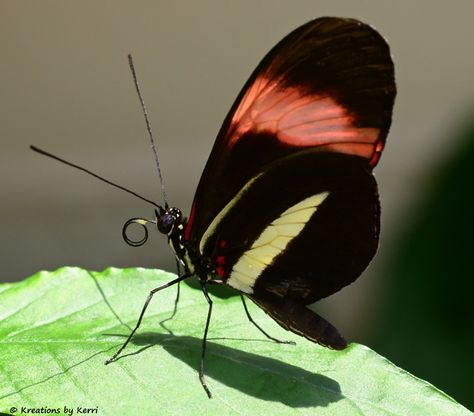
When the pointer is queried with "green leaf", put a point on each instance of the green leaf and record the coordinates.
(58, 328)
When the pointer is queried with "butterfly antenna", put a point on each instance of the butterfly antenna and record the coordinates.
(42, 152)
(148, 126)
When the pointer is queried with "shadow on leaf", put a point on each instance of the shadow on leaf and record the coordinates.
(58, 374)
(262, 377)
(106, 301)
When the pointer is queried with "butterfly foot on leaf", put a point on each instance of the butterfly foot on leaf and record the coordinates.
(279, 341)
(285, 342)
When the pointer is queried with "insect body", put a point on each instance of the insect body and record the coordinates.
(287, 210)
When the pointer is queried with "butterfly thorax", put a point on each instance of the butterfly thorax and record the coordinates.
(172, 223)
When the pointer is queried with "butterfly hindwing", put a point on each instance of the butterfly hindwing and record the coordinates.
(300, 230)
(303, 228)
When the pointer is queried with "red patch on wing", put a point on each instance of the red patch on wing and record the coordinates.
(301, 120)
(189, 225)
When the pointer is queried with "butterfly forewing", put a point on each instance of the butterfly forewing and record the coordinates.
(329, 85)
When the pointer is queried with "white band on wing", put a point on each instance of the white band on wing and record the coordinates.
(271, 242)
(210, 230)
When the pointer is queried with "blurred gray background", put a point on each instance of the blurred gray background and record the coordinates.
(65, 86)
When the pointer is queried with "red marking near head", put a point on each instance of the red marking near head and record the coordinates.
(301, 120)
(189, 225)
(220, 259)
(220, 271)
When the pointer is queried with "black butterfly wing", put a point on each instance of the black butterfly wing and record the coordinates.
(328, 85)
(304, 227)
(287, 208)
(301, 229)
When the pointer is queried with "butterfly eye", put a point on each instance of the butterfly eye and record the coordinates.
(165, 223)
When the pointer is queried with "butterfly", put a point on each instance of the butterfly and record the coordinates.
(287, 210)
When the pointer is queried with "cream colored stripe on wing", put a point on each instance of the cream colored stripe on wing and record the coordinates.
(271, 242)
(223, 213)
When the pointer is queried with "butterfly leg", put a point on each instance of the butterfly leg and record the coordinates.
(175, 308)
(204, 341)
(261, 329)
(178, 286)
(145, 306)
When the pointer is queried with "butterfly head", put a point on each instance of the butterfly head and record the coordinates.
(169, 220)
